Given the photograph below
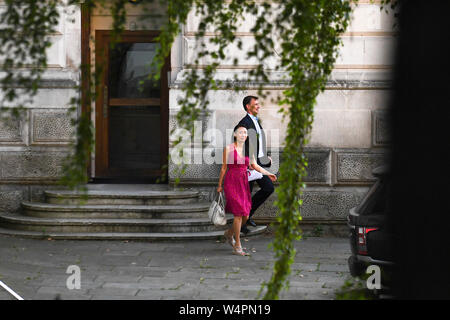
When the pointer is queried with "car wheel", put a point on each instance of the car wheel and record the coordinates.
(356, 268)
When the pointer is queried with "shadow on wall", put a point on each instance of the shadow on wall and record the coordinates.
(421, 160)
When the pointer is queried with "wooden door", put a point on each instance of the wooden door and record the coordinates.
(131, 109)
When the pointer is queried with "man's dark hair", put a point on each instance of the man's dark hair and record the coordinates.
(247, 100)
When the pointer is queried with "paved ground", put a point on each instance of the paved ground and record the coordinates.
(36, 269)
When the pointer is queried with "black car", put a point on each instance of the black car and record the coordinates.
(371, 238)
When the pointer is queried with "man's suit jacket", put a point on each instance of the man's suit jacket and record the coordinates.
(253, 140)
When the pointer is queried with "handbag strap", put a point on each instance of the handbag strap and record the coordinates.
(220, 198)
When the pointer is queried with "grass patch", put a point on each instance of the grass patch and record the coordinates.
(177, 287)
(355, 289)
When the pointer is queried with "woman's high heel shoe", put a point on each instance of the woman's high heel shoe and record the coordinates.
(238, 251)
(230, 240)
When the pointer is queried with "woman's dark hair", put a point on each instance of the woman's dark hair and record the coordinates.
(246, 147)
(235, 129)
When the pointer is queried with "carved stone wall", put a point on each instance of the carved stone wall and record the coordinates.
(33, 148)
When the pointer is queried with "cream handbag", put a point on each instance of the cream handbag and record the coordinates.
(216, 211)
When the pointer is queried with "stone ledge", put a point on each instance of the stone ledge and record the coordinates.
(313, 227)
(123, 236)
(30, 181)
(52, 84)
(339, 79)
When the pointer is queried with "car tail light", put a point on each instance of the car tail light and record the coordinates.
(362, 232)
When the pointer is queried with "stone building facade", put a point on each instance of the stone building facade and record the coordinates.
(349, 137)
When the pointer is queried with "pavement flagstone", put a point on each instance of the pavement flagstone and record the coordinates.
(196, 269)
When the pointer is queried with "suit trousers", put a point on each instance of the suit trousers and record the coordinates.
(266, 189)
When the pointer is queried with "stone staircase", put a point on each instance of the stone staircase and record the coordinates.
(116, 212)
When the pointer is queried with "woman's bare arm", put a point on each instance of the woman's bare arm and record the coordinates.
(223, 170)
(258, 168)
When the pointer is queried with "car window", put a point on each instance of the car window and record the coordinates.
(374, 202)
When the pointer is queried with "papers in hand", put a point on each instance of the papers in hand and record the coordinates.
(253, 175)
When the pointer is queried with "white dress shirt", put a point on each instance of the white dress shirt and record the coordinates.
(258, 130)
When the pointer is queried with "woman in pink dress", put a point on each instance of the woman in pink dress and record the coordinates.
(236, 187)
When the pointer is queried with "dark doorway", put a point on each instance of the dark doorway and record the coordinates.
(131, 110)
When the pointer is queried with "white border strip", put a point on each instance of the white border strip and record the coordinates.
(10, 291)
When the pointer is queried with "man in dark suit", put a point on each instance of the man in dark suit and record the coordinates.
(256, 146)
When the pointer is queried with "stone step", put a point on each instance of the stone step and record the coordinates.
(47, 210)
(123, 194)
(46, 225)
(135, 236)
